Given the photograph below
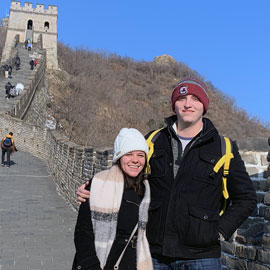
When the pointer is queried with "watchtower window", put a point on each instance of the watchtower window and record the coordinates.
(46, 25)
(30, 25)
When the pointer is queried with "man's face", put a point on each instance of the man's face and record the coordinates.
(189, 109)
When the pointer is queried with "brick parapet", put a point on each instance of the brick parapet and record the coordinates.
(249, 247)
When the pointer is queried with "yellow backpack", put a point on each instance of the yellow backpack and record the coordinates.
(224, 161)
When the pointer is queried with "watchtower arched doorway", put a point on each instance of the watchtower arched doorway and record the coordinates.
(46, 25)
(29, 31)
(30, 25)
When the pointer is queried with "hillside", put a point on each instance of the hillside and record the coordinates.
(95, 95)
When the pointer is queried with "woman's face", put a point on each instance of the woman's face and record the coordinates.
(133, 162)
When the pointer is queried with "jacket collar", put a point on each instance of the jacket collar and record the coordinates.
(207, 131)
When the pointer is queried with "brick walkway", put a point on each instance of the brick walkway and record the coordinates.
(36, 224)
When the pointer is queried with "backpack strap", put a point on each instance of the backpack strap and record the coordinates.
(227, 155)
(150, 142)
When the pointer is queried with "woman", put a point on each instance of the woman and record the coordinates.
(119, 201)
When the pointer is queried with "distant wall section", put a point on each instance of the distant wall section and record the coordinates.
(29, 23)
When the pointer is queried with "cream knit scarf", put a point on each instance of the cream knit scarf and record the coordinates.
(106, 195)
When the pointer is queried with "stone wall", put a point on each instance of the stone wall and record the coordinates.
(9, 52)
(249, 248)
(69, 164)
(37, 113)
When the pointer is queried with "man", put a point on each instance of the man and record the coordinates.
(8, 87)
(17, 62)
(6, 69)
(32, 64)
(29, 46)
(9, 72)
(8, 146)
(184, 228)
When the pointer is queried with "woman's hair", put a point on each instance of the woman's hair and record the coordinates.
(135, 182)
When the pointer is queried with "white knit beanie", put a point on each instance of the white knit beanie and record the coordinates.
(129, 139)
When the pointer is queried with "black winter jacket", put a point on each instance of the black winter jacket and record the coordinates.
(184, 216)
(86, 258)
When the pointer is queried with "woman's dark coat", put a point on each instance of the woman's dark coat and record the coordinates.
(86, 258)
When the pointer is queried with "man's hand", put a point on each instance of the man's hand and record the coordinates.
(82, 193)
(221, 237)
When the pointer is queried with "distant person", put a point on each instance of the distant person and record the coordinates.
(26, 43)
(19, 88)
(17, 62)
(32, 64)
(13, 91)
(29, 46)
(110, 229)
(9, 72)
(8, 87)
(6, 69)
(8, 146)
(35, 62)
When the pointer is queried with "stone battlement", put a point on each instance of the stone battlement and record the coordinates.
(28, 7)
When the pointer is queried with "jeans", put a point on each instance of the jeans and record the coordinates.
(8, 151)
(198, 264)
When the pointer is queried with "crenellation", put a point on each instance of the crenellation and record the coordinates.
(15, 4)
(28, 7)
(39, 8)
(53, 8)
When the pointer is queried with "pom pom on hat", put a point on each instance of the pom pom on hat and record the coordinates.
(191, 86)
(129, 139)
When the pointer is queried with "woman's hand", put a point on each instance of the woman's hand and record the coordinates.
(82, 193)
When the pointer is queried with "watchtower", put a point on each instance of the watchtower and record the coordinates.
(35, 24)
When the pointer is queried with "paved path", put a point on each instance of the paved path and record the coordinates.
(36, 224)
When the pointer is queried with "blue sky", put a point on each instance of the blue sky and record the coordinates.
(226, 42)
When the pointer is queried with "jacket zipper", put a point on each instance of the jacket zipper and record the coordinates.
(132, 202)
